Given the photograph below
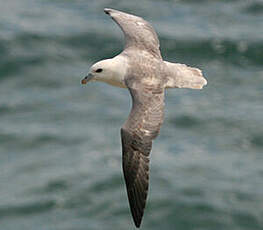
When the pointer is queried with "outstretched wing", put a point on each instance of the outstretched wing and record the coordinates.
(138, 32)
(137, 133)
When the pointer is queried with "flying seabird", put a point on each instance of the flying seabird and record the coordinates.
(141, 69)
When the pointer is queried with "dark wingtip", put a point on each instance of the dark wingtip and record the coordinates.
(137, 224)
(107, 10)
(137, 217)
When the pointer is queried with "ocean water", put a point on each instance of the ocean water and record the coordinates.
(60, 153)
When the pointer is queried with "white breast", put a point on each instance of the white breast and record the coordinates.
(115, 82)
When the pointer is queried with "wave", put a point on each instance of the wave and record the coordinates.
(27, 208)
(254, 8)
(33, 50)
(239, 52)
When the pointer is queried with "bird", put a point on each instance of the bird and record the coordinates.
(141, 69)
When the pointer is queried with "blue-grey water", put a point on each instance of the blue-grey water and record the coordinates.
(60, 154)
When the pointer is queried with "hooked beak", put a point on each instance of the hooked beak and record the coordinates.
(86, 79)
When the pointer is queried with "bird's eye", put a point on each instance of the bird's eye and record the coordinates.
(98, 70)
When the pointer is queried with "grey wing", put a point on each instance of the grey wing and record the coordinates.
(137, 133)
(138, 33)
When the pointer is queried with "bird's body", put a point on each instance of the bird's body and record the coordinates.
(141, 69)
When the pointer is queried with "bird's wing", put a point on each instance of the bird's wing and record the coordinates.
(137, 133)
(139, 34)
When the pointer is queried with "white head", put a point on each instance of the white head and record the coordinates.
(111, 71)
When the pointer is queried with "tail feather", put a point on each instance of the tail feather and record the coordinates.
(183, 76)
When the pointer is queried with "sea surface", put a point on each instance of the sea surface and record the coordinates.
(60, 153)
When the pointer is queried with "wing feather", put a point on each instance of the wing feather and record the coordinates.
(137, 133)
(139, 34)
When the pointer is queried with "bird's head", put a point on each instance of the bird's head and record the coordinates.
(104, 70)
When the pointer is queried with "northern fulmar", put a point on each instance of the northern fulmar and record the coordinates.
(141, 69)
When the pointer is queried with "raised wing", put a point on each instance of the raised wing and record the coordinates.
(137, 133)
(138, 33)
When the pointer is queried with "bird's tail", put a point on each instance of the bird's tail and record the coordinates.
(183, 76)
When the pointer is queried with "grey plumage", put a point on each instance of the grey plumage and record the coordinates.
(137, 133)
(138, 33)
(146, 76)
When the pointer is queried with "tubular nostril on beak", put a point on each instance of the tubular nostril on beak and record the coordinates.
(86, 79)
